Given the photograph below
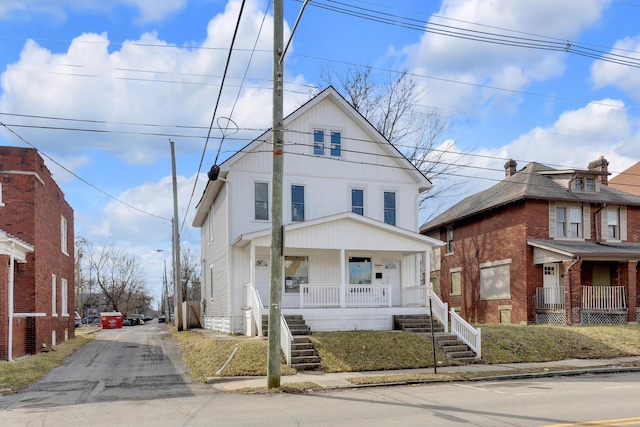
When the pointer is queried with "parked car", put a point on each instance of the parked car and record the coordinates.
(78, 319)
(90, 320)
(161, 319)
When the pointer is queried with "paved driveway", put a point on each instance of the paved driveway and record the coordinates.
(133, 363)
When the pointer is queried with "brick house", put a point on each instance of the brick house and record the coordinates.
(36, 245)
(628, 180)
(543, 245)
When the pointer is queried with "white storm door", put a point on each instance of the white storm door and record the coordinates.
(262, 279)
(391, 276)
(551, 281)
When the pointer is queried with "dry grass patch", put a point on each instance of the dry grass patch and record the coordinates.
(205, 355)
(358, 351)
(14, 376)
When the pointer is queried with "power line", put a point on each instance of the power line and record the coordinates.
(80, 178)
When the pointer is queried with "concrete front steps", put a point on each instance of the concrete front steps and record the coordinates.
(449, 343)
(304, 356)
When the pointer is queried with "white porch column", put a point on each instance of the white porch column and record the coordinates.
(427, 267)
(343, 274)
(252, 268)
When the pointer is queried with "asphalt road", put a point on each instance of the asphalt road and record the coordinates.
(132, 363)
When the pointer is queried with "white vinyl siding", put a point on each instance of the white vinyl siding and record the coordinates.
(210, 225)
(495, 280)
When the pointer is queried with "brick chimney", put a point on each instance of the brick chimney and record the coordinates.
(510, 168)
(602, 166)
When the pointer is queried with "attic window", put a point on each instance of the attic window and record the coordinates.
(584, 184)
(334, 148)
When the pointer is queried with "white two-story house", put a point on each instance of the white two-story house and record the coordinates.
(354, 256)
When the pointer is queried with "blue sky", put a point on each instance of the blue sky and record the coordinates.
(101, 87)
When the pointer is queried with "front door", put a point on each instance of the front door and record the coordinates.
(261, 281)
(551, 281)
(391, 276)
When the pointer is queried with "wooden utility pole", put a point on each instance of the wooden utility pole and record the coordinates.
(177, 287)
(275, 289)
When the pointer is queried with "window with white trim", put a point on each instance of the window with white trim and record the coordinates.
(456, 282)
(495, 280)
(261, 201)
(64, 300)
(54, 301)
(297, 203)
(1, 204)
(319, 143)
(63, 235)
(357, 201)
(390, 207)
(569, 221)
(211, 281)
(613, 224)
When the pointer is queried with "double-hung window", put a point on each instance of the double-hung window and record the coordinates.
(613, 224)
(297, 203)
(318, 142)
(54, 296)
(390, 207)
(262, 201)
(569, 221)
(63, 235)
(335, 147)
(64, 298)
(449, 247)
(357, 201)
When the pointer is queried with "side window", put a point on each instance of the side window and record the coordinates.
(390, 207)
(449, 248)
(613, 224)
(1, 204)
(261, 201)
(456, 284)
(336, 144)
(357, 201)
(54, 301)
(211, 281)
(318, 142)
(63, 235)
(64, 300)
(297, 203)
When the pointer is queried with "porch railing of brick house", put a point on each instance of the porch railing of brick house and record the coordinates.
(603, 298)
(355, 296)
(550, 298)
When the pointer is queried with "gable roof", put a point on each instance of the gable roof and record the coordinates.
(532, 182)
(330, 93)
(345, 230)
(628, 180)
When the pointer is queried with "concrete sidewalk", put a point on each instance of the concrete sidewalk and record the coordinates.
(507, 371)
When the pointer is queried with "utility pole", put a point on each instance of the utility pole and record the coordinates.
(177, 287)
(275, 289)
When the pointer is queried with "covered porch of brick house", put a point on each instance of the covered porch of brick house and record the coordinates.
(595, 283)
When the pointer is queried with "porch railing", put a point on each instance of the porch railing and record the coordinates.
(550, 298)
(286, 338)
(467, 333)
(439, 309)
(603, 298)
(329, 296)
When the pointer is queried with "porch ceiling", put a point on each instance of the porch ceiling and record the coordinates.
(586, 250)
(347, 231)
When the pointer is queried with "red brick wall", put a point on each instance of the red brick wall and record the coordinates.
(32, 211)
(500, 235)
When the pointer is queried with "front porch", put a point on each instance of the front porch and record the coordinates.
(598, 305)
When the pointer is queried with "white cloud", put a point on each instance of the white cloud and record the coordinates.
(623, 77)
(149, 10)
(495, 64)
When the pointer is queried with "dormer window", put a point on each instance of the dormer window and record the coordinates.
(582, 183)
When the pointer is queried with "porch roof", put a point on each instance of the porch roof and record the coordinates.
(585, 250)
(20, 249)
(344, 231)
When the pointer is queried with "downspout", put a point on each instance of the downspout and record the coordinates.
(568, 288)
(10, 304)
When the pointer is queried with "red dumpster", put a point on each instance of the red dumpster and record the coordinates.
(111, 320)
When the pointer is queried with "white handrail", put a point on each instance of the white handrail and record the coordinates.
(256, 307)
(467, 333)
(286, 338)
(439, 309)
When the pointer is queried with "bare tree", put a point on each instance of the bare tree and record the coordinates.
(190, 272)
(118, 276)
(391, 106)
